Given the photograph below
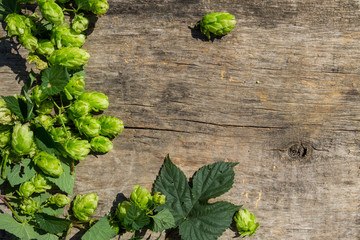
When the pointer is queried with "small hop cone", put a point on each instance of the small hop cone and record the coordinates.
(77, 149)
(98, 101)
(59, 200)
(65, 36)
(110, 126)
(22, 139)
(78, 109)
(88, 126)
(6, 116)
(75, 87)
(40, 183)
(51, 11)
(101, 144)
(29, 42)
(218, 24)
(26, 189)
(70, 57)
(29, 207)
(159, 199)
(5, 136)
(100, 7)
(84, 206)
(121, 210)
(141, 197)
(38, 95)
(45, 47)
(245, 222)
(80, 23)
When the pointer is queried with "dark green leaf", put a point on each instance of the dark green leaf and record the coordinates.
(198, 219)
(2, 181)
(14, 105)
(30, 81)
(136, 218)
(51, 224)
(48, 236)
(207, 222)
(66, 181)
(7, 7)
(15, 177)
(212, 181)
(173, 184)
(42, 198)
(54, 79)
(102, 230)
(44, 141)
(163, 220)
(53, 210)
(26, 107)
(20, 230)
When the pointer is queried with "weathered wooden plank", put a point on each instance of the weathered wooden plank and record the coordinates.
(295, 133)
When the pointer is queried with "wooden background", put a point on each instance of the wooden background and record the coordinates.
(280, 95)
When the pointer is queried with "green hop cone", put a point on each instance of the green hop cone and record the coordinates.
(38, 95)
(98, 101)
(60, 135)
(159, 199)
(88, 126)
(78, 109)
(75, 87)
(218, 24)
(45, 121)
(51, 11)
(45, 47)
(110, 126)
(29, 42)
(64, 36)
(40, 64)
(101, 144)
(62, 1)
(59, 200)
(141, 197)
(18, 25)
(62, 118)
(77, 149)
(100, 7)
(85, 206)
(41, 183)
(49, 164)
(26, 189)
(22, 139)
(70, 57)
(80, 23)
(29, 207)
(5, 136)
(6, 116)
(121, 211)
(245, 222)
(45, 108)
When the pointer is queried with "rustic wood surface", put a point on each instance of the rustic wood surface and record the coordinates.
(280, 95)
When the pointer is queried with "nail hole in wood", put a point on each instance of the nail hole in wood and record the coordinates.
(299, 151)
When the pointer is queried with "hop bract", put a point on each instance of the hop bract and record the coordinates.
(98, 101)
(70, 57)
(218, 24)
(245, 222)
(59, 200)
(80, 23)
(40, 183)
(51, 11)
(85, 206)
(18, 25)
(77, 149)
(22, 139)
(88, 126)
(64, 36)
(45, 47)
(6, 116)
(101, 144)
(49, 164)
(141, 197)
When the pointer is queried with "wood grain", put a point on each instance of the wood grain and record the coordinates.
(279, 94)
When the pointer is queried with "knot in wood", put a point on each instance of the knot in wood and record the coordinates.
(299, 151)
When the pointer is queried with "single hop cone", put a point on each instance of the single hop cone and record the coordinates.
(84, 206)
(218, 24)
(59, 200)
(49, 164)
(245, 222)
(141, 197)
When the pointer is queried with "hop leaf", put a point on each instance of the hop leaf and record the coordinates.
(218, 24)
(245, 222)
(84, 206)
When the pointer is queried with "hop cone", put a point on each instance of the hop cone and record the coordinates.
(122, 210)
(45, 47)
(60, 200)
(88, 126)
(77, 149)
(64, 36)
(18, 25)
(22, 139)
(245, 222)
(29, 42)
(49, 164)
(101, 144)
(110, 126)
(29, 207)
(5, 136)
(80, 23)
(141, 197)
(98, 101)
(75, 87)
(51, 11)
(71, 57)
(6, 116)
(85, 206)
(218, 24)
(40, 183)
(26, 189)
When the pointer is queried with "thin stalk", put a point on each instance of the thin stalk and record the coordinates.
(12, 210)
(6, 196)
(4, 162)
(62, 122)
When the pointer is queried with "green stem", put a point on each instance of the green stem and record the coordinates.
(4, 162)
(12, 210)
(6, 196)
(62, 122)
(72, 167)
(70, 10)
